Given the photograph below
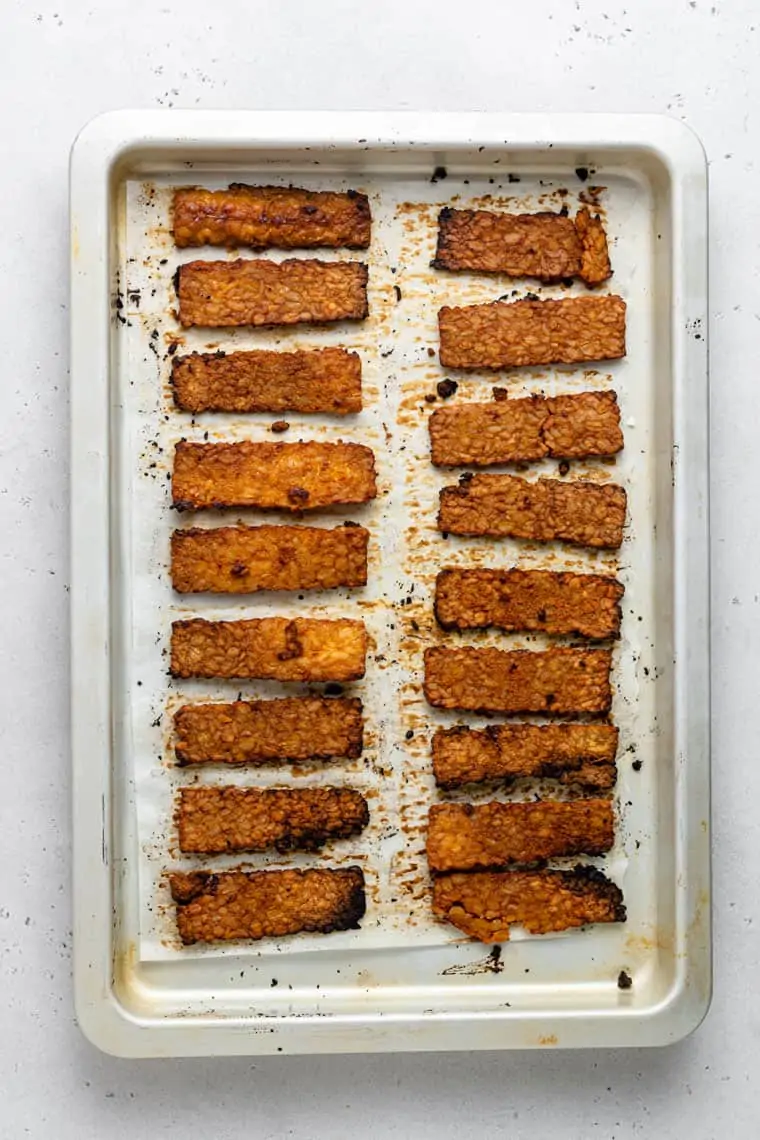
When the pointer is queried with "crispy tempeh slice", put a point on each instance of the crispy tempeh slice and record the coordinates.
(481, 837)
(220, 294)
(284, 476)
(548, 601)
(244, 559)
(319, 380)
(277, 648)
(221, 907)
(508, 334)
(580, 513)
(518, 431)
(557, 682)
(271, 217)
(546, 245)
(581, 754)
(214, 820)
(485, 904)
(259, 732)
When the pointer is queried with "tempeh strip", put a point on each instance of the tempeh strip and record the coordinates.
(548, 246)
(509, 334)
(555, 602)
(481, 837)
(284, 476)
(230, 905)
(277, 649)
(580, 513)
(319, 380)
(271, 217)
(221, 294)
(485, 904)
(557, 682)
(582, 754)
(244, 559)
(214, 820)
(523, 430)
(259, 732)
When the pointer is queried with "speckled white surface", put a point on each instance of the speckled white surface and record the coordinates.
(64, 62)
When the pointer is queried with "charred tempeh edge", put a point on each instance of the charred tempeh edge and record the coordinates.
(523, 430)
(485, 904)
(547, 246)
(579, 513)
(318, 380)
(504, 334)
(266, 904)
(557, 682)
(244, 559)
(272, 476)
(555, 602)
(213, 820)
(260, 732)
(482, 837)
(222, 294)
(271, 217)
(582, 754)
(277, 649)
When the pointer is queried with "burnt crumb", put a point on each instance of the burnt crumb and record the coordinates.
(409, 733)
(333, 689)
(564, 211)
(274, 983)
(446, 388)
(532, 297)
(513, 177)
(465, 477)
(387, 353)
(625, 981)
(173, 348)
(500, 394)
(430, 397)
(637, 765)
(439, 174)
(135, 297)
(176, 277)
(431, 352)
(164, 261)
(415, 625)
(398, 292)
(581, 172)
(564, 467)
(494, 960)
(279, 426)
(568, 282)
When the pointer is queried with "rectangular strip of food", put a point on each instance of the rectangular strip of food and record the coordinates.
(581, 754)
(271, 217)
(254, 291)
(523, 430)
(551, 247)
(274, 649)
(558, 682)
(505, 506)
(212, 821)
(272, 476)
(262, 732)
(546, 601)
(486, 904)
(233, 905)
(245, 559)
(319, 380)
(482, 837)
(504, 334)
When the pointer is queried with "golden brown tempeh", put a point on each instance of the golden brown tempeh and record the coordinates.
(277, 648)
(580, 513)
(319, 380)
(485, 904)
(518, 431)
(266, 904)
(284, 476)
(544, 600)
(214, 820)
(582, 754)
(244, 559)
(545, 245)
(557, 682)
(508, 334)
(480, 837)
(259, 732)
(220, 294)
(271, 217)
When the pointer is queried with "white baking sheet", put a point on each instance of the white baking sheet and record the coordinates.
(398, 345)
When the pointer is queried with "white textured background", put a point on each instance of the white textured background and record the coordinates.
(60, 64)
